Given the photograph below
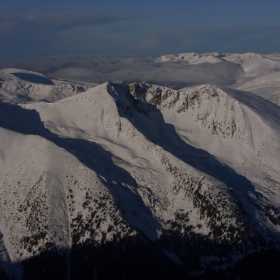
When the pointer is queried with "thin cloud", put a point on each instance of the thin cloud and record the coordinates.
(35, 34)
(99, 69)
(55, 22)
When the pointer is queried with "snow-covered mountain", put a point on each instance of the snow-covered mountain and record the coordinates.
(261, 72)
(136, 180)
(192, 58)
(21, 86)
(211, 57)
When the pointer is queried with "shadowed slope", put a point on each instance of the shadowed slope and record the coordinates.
(28, 77)
(90, 154)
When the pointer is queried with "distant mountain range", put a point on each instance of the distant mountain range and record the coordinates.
(141, 181)
(214, 57)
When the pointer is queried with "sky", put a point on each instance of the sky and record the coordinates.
(34, 29)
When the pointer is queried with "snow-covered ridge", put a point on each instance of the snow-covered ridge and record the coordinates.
(22, 86)
(260, 76)
(206, 116)
(210, 117)
(192, 58)
(242, 57)
(222, 121)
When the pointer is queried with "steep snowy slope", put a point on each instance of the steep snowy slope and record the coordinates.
(235, 126)
(50, 185)
(21, 86)
(238, 128)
